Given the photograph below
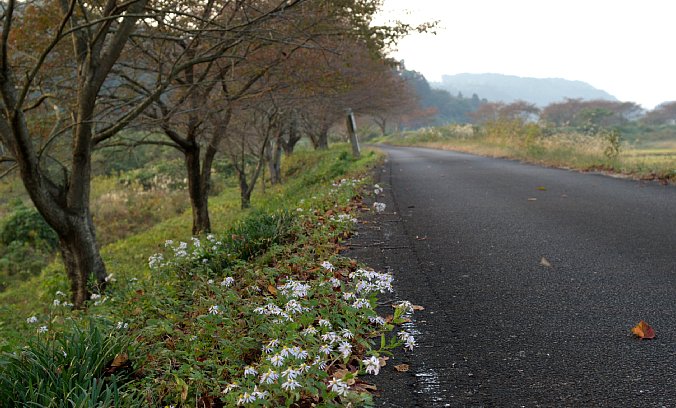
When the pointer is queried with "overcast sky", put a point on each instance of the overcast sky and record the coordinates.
(627, 48)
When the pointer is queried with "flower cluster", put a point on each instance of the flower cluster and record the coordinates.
(379, 207)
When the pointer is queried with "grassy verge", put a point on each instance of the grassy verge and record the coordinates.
(566, 149)
(262, 313)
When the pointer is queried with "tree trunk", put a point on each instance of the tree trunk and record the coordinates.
(275, 160)
(323, 139)
(294, 137)
(244, 191)
(81, 258)
(198, 191)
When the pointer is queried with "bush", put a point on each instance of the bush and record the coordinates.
(79, 368)
(258, 232)
(26, 225)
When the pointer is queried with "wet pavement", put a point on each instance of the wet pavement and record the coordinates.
(531, 279)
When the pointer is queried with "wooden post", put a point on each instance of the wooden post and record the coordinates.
(352, 132)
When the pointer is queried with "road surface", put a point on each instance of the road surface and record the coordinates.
(471, 239)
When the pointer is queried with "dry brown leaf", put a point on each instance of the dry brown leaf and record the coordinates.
(402, 368)
(532, 199)
(382, 361)
(418, 308)
(272, 290)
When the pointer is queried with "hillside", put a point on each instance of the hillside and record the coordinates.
(508, 88)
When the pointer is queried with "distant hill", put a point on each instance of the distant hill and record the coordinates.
(508, 88)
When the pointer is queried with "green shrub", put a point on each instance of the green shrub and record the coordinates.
(26, 225)
(78, 368)
(258, 232)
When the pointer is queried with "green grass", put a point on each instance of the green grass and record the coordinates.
(653, 158)
(190, 336)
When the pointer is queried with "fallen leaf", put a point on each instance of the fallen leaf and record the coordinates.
(544, 262)
(382, 361)
(402, 368)
(532, 199)
(643, 330)
(421, 238)
(272, 290)
(542, 188)
(417, 308)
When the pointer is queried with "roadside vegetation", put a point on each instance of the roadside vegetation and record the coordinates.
(262, 312)
(588, 139)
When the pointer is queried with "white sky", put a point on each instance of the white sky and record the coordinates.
(627, 48)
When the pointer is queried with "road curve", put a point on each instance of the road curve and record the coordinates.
(465, 236)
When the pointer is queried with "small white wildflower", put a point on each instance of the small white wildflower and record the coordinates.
(227, 282)
(405, 305)
(379, 207)
(57, 302)
(285, 351)
(210, 282)
(111, 278)
(338, 386)
(214, 310)
(211, 237)
(249, 370)
(290, 384)
(303, 368)
(168, 243)
(328, 266)
(95, 296)
(32, 319)
(346, 334)
(121, 325)
(299, 353)
(290, 373)
(276, 360)
(348, 295)
(372, 365)
(325, 323)
(245, 398)
(403, 335)
(319, 363)
(335, 282)
(377, 320)
(43, 329)
(345, 349)
(409, 343)
(268, 348)
(59, 293)
(269, 377)
(309, 330)
(299, 209)
(331, 337)
(230, 387)
(361, 304)
(292, 306)
(325, 349)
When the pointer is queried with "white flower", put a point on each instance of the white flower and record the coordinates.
(298, 352)
(155, 261)
(246, 398)
(303, 368)
(379, 207)
(361, 304)
(409, 343)
(227, 282)
(248, 370)
(346, 334)
(95, 296)
(214, 310)
(338, 386)
(348, 295)
(292, 306)
(269, 377)
(321, 364)
(290, 384)
(328, 266)
(121, 325)
(32, 319)
(403, 335)
(325, 323)
(276, 360)
(43, 329)
(345, 349)
(309, 330)
(210, 282)
(331, 337)
(325, 349)
(59, 293)
(270, 346)
(335, 282)
(168, 243)
(111, 278)
(377, 320)
(405, 305)
(57, 302)
(285, 351)
(230, 387)
(290, 373)
(299, 209)
(372, 365)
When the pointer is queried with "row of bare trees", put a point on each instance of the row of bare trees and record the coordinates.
(243, 78)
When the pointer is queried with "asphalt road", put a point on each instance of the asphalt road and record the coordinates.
(465, 236)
